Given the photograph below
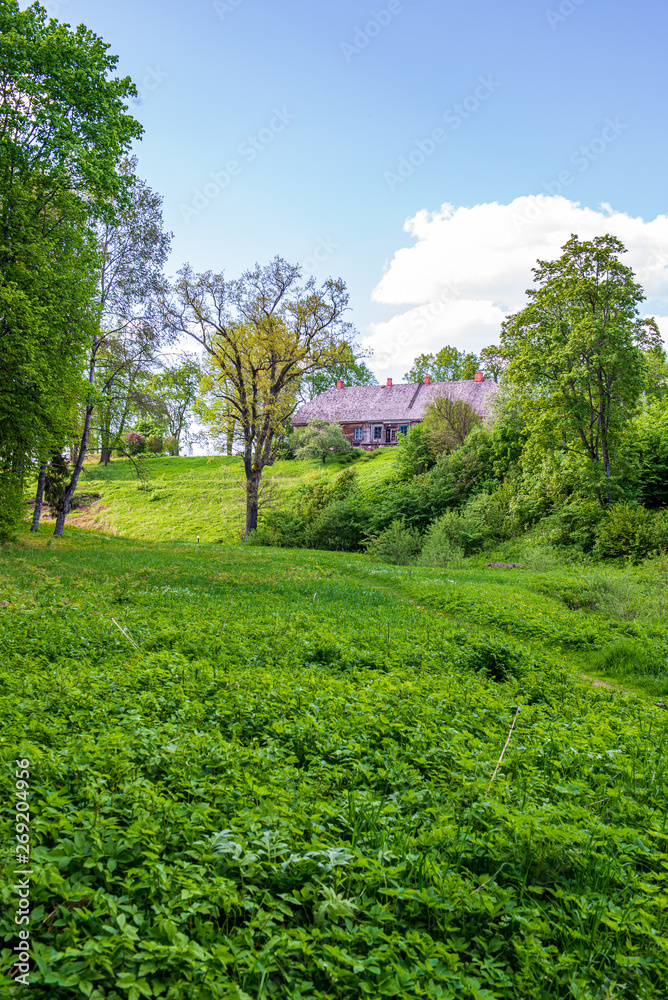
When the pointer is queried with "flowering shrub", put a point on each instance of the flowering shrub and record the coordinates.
(134, 442)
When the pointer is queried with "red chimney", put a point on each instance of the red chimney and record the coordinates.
(339, 384)
(389, 382)
(427, 380)
(478, 376)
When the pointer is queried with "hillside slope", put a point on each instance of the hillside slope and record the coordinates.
(185, 497)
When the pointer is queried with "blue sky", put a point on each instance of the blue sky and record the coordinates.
(327, 125)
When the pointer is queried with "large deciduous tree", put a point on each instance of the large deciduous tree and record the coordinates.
(447, 365)
(576, 351)
(263, 334)
(133, 249)
(63, 131)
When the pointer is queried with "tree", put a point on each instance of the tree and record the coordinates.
(350, 370)
(63, 131)
(320, 439)
(133, 248)
(576, 350)
(448, 422)
(448, 365)
(492, 362)
(175, 390)
(264, 333)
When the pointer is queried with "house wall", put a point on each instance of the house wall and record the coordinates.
(390, 433)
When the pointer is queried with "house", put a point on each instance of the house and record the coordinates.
(374, 415)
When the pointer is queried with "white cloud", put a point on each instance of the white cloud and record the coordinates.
(470, 267)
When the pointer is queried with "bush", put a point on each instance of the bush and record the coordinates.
(171, 446)
(155, 445)
(398, 544)
(134, 442)
(342, 525)
(480, 523)
(575, 524)
(625, 530)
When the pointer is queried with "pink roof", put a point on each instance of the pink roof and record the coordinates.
(391, 404)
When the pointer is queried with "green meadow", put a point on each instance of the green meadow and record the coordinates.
(185, 497)
(263, 772)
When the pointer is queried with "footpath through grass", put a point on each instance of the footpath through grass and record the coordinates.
(268, 773)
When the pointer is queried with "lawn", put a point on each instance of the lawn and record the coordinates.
(281, 773)
(185, 497)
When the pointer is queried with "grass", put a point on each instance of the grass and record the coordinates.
(186, 497)
(272, 773)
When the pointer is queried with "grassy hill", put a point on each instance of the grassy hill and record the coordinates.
(186, 497)
(268, 773)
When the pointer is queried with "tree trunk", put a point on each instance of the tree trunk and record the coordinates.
(252, 497)
(39, 497)
(105, 455)
(69, 492)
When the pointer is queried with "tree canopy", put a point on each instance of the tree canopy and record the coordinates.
(263, 333)
(64, 129)
(447, 365)
(576, 351)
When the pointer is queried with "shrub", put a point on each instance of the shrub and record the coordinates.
(171, 446)
(319, 439)
(398, 544)
(478, 524)
(625, 531)
(575, 524)
(155, 445)
(134, 442)
(341, 525)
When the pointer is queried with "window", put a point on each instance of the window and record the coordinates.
(394, 434)
(404, 429)
(378, 433)
(359, 433)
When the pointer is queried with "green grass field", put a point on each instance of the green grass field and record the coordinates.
(280, 773)
(186, 497)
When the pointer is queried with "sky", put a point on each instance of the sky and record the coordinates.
(426, 152)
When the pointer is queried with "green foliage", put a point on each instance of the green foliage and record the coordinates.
(646, 452)
(415, 452)
(284, 788)
(398, 544)
(479, 524)
(576, 350)
(319, 439)
(349, 370)
(447, 365)
(629, 530)
(59, 169)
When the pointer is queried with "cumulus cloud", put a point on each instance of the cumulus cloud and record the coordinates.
(470, 267)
